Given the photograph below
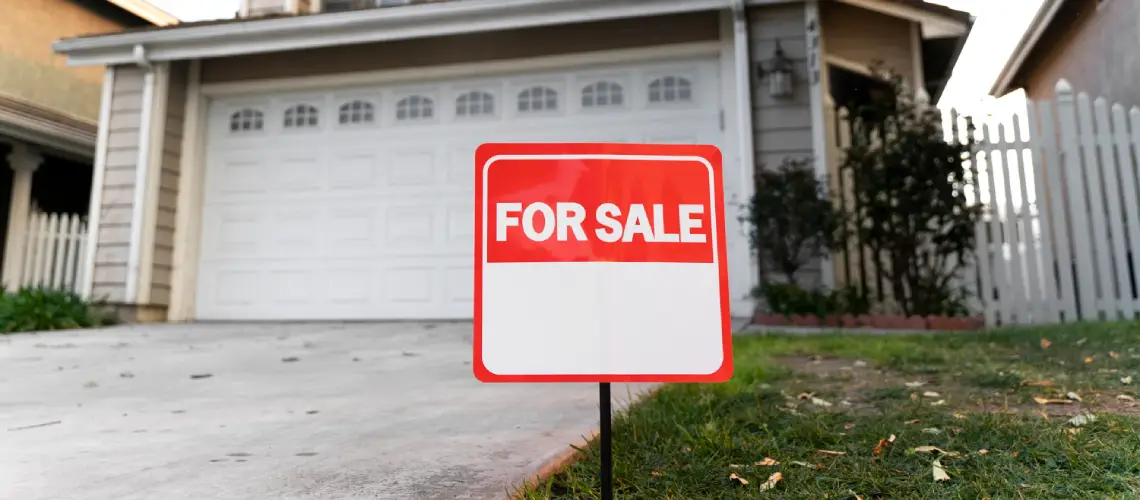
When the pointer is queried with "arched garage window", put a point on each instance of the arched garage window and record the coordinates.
(536, 99)
(671, 89)
(475, 103)
(301, 116)
(416, 107)
(602, 94)
(357, 112)
(247, 120)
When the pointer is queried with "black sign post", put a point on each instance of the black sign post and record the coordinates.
(605, 437)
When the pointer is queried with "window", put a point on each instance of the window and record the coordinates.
(475, 103)
(415, 107)
(671, 89)
(247, 120)
(537, 99)
(301, 116)
(357, 112)
(602, 94)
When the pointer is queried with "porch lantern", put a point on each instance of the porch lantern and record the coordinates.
(778, 71)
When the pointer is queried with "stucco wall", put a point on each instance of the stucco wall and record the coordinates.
(498, 45)
(30, 71)
(1094, 48)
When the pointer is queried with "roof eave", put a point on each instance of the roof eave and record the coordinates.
(377, 25)
(1041, 21)
(146, 11)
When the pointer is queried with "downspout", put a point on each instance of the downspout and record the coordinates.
(142, 171)
(746, 141)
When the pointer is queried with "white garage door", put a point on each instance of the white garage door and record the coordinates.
(357, 203)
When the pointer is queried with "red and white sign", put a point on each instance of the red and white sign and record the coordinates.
(600, 263)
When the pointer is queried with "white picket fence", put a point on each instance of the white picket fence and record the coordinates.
(1061, 230)
(55, 246)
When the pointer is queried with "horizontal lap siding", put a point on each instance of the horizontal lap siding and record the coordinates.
(867, 37)
(168, 185)
(114, 232)
(471, 48)
(782, 126)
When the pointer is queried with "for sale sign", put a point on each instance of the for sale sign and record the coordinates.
(600, 263)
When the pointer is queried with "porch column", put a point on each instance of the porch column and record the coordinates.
(23, 161)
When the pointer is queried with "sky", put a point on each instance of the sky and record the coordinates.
(998, 26)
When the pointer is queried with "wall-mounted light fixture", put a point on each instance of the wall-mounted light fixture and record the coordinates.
(778, 72)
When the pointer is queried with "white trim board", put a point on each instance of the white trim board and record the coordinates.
(373, 25)
(647, 54)
(934, 25)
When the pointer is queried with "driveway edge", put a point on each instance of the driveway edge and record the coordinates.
(557, 461)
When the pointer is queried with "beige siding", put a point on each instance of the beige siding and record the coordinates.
(867, 37)
(31, 72)
(114, 239)
(1092, 47)
(499, 45)
(782, 126)
(168, 186)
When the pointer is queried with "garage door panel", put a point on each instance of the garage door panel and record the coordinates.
(372, 217)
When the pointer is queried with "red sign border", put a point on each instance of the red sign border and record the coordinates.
(709, 153)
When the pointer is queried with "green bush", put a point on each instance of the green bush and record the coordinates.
(788, 300)
(38, 309)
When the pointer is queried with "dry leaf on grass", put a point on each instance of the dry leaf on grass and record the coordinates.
(961, 416)
(1073, 431)
(931, 394)
(1113, 355)
(983, 451)
(932, 430)
(735, 466)
(1014, 453)
(1080, 342)
(1045, 343)
(1037, 383)
(805, 395)
(1073, 396)
(910, 422)
(771, 482)
(1088, 360)
(939, 473)
(832, 453)
(767, 462)
(1125, 397)
(656, 474)
(1126, 380)
(860, 363)
(848, 426)
(914, 395)
(882, 446)
(940, 402)
(912, 385)
(820, 402)
(932, 449)
(1043, 401)
(803, 464)
(734, 477)
(1082, 419)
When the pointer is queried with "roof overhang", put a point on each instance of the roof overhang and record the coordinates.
(1024, 47)
(58, 133)
(375, 25)
(146, 11)
(936, 21)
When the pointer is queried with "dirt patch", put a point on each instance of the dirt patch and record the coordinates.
(856, 386)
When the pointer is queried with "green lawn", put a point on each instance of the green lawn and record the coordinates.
(793, 396)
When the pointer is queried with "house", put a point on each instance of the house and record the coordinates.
(313, 160)
(1090, 43)
(48, 120)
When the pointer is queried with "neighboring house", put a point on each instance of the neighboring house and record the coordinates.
(1091, 43)
(49, 116)
(318, 165)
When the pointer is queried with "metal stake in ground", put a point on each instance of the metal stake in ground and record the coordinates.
(606, 437)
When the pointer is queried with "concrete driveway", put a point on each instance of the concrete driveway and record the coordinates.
(282, 411)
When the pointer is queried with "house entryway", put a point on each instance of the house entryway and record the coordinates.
(44, 200)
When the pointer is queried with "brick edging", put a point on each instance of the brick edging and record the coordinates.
(880, 322)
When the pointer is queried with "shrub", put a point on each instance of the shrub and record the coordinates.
(791, 300)
(910, 207)
(791, 219)
(38, 309)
